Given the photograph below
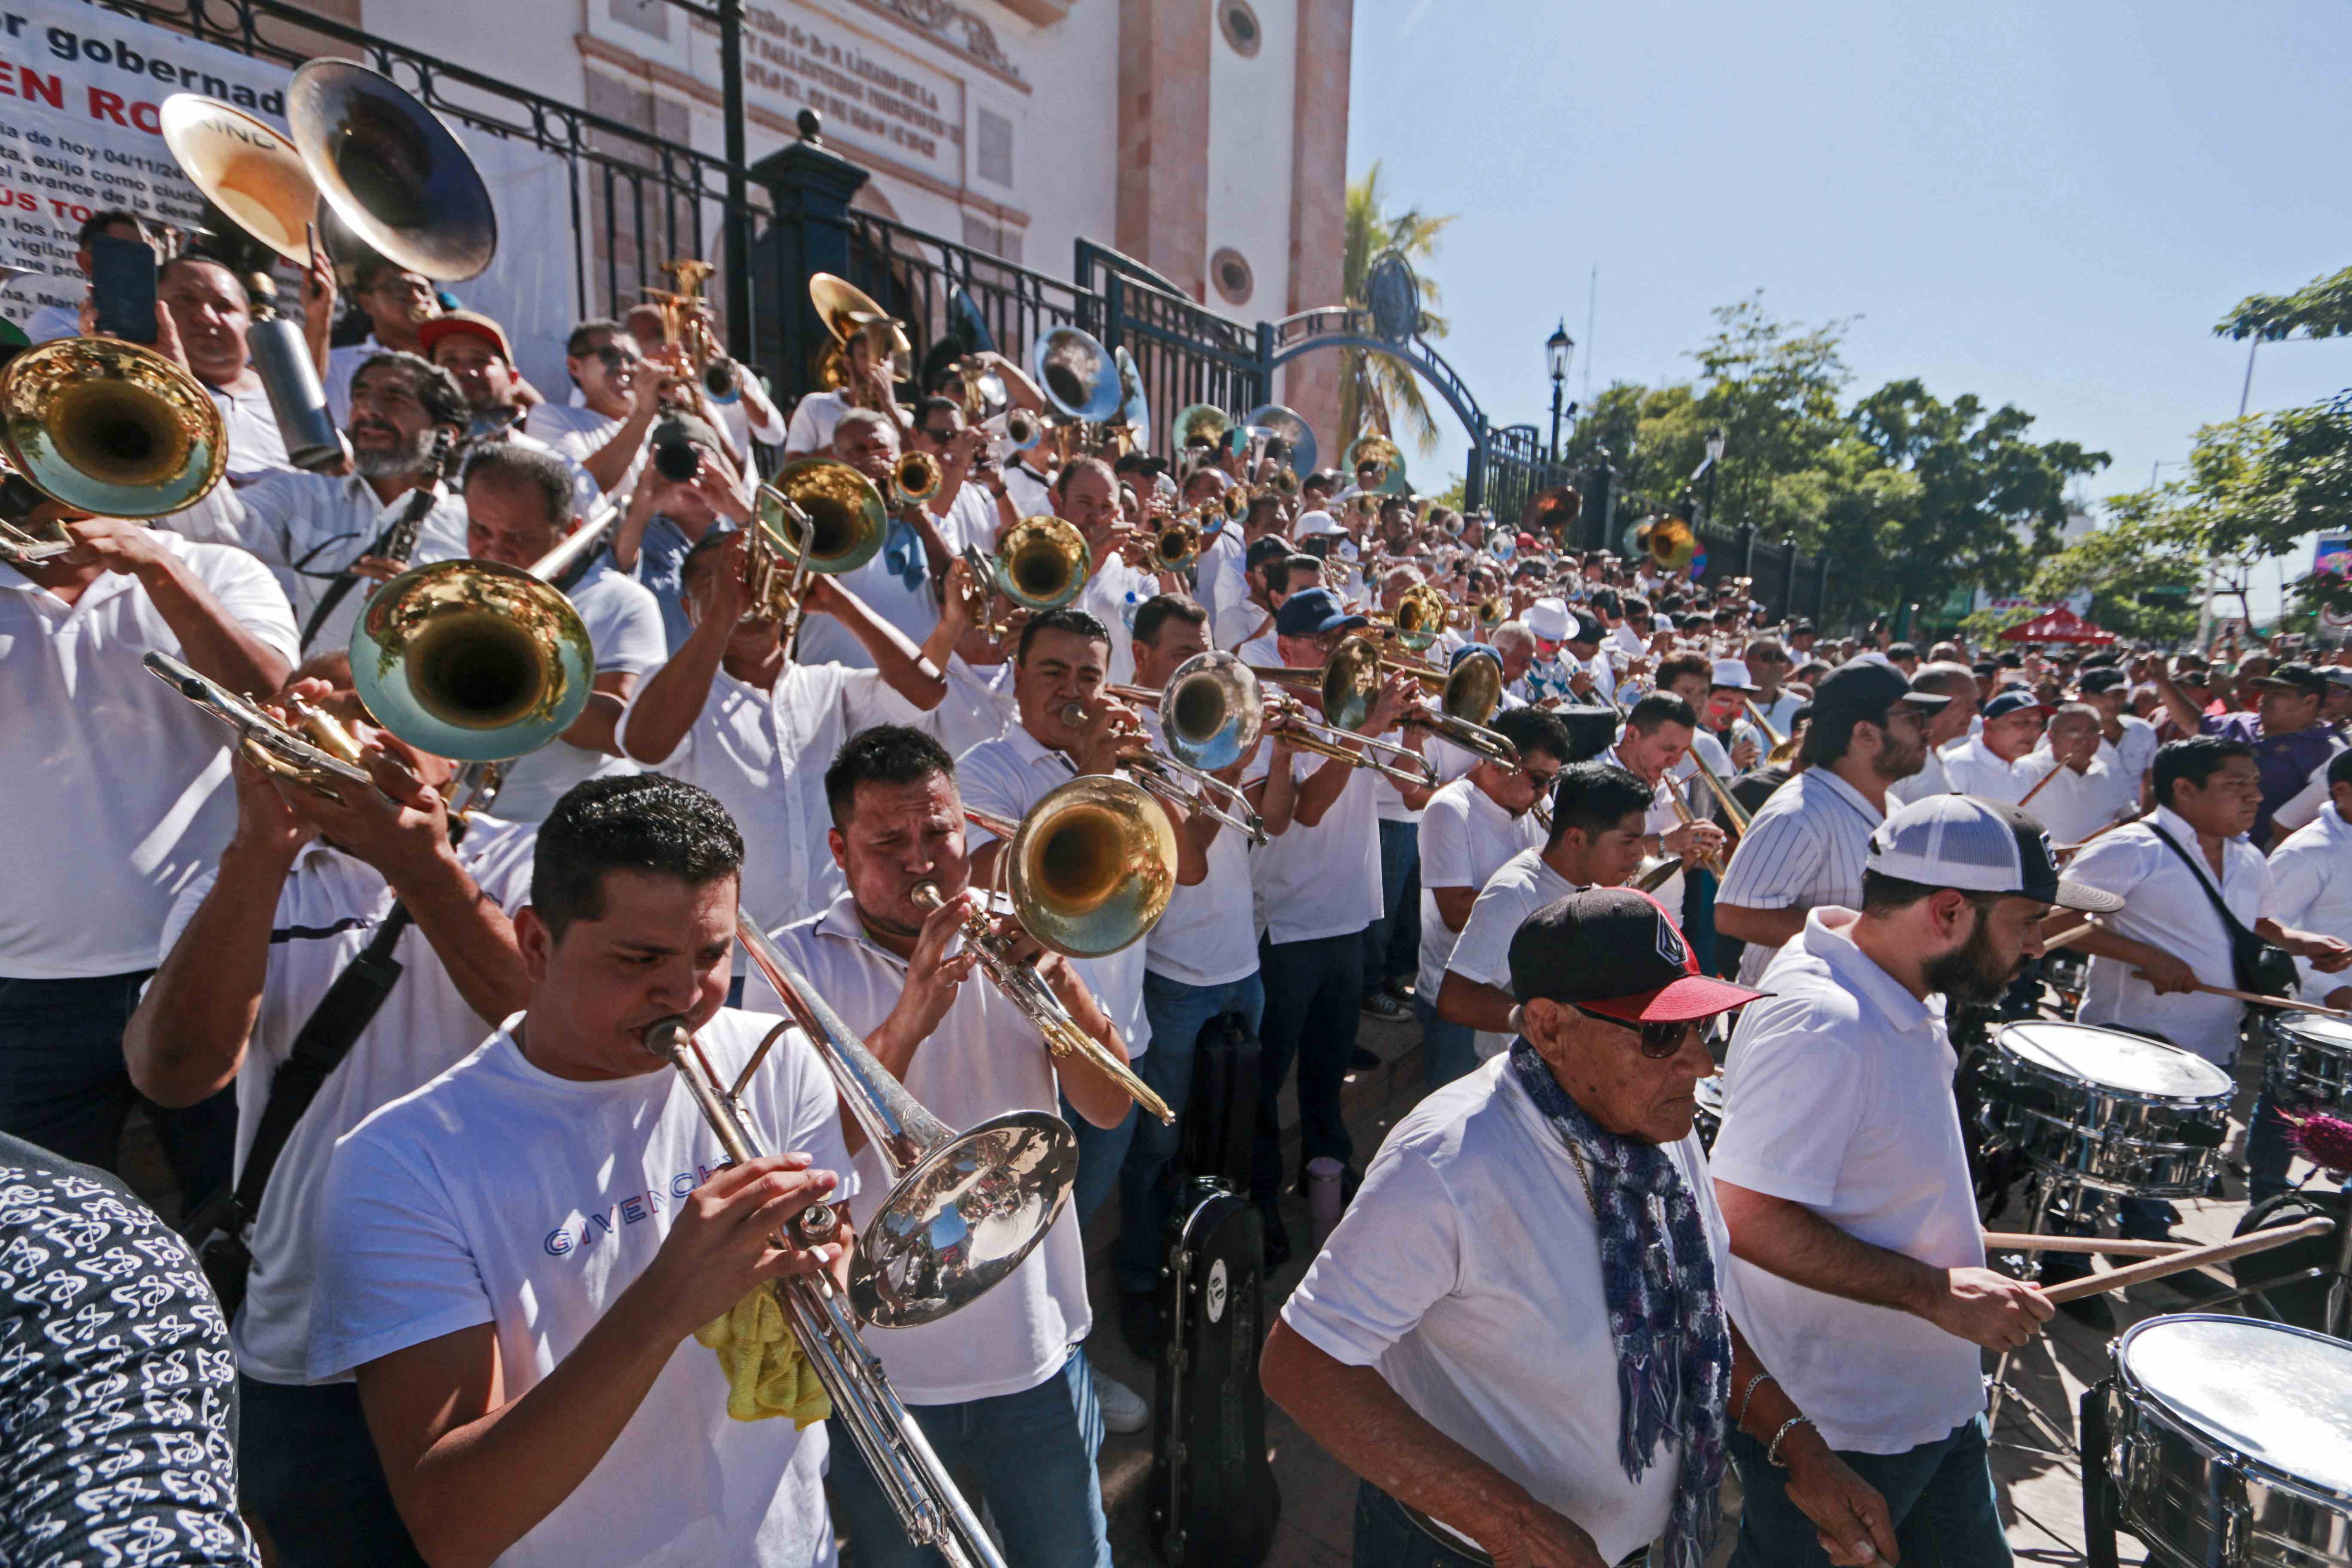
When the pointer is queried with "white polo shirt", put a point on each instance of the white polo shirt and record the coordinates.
(624, 624)
(123, 789)
(307, 527)
(331, 907)
(809, 432)
(763, 754)
(2135, 751)
(1207, 937)
(1112, 597)
(979, 706)
(1483, 951)
(984, 1058)
(1971, 768)
(1008, 775)
(501, 1195)
(2071, 805)
(1803, 848)
(2165, 906)
(1324, 880)
(1467, 1274)
(249, 426)
(1465, 839)
(1838, 1095)
(2309, 887)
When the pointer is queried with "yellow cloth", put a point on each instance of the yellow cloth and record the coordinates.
(767, 1374)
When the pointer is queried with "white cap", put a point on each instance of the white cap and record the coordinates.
(1977, 847)
(1549, 619)
(1731, 672)
(1314, 523)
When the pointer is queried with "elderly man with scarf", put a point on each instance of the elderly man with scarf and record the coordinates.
(1550, 1215)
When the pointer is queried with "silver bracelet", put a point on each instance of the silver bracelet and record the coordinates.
(1749, 1394)
(1772, 1450)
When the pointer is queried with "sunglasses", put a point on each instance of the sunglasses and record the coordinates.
(613, 359)
(1660, 1038)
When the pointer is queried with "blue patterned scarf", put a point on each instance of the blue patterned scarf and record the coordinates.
(1657, 1275)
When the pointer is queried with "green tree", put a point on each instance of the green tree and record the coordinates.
(2320, 308)
(2143, 566)
(1378, 392)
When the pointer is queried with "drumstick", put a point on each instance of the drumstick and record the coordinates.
(2069, 936)
(2038, 785)
(2018, 1241)
(2258, 998)
(2195, 1258)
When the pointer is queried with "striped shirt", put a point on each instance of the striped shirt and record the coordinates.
(1804, 850)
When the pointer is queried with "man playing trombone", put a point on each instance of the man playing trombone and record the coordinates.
(525, 1244)
(1002, 1389)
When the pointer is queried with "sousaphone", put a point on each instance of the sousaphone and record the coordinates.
(848, 311)
(1291, 428)
(387, 165)
(1076, 374)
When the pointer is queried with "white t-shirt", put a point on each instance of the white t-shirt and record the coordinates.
(763, 754)
(985, 1059)
(2070, 805)
(343, 361)
(1112, 597)
(979, 706)
(2309, 887)
(1033, 494)
(624, 624)
(499, 1193)
(123, 790)
(809, 432)
(1971, 768)
(1804, 848)
(1324, 880)
(255, 444)
(1467, 1274)
(1465, 839)
(1007, 776)
(1483, 951)
(1838, 1095)
(2135, 751)
(1207, 937)
(331, 907)
(2165, 906)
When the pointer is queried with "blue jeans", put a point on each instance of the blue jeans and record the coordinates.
(1101, 1151)
(1313, 998)
(1940, 1495)
(1392, 942)
(1032, 1459)
(308, 1470)
(2268, 1151)
(1179, 1013)
(64, 1085)
(1448, 1050)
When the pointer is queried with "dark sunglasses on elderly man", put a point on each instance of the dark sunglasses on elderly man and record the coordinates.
(1660, 1039)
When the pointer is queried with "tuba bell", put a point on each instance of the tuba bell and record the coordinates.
(1078, 376)
(1289, 426)
(388, 167)
(1200, 425)
(109, 429)
(1385, 457)
(1671, 543)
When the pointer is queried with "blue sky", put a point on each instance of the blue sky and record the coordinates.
(2047, 205)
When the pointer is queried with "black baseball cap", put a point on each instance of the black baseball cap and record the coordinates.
(2297, 677)
(2107, 678)
(1591, 731)
(1613, 950)
(1312, 610)
(1268, 548)
(2015, 699)
(1860, 690)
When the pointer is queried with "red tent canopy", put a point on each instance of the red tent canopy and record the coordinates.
(2057, 624)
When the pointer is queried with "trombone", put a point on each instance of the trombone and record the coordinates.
(1467, 697)
(1089, 870)
(1774, 740)
(1042, 563)
(817, 517)
(1212, 714)
(1330, 737)
(920, 1491)
(19, 548)
(320, 754)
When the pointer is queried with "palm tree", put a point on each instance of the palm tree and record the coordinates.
(1379, 392)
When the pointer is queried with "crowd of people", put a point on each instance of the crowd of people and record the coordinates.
(461, 1230)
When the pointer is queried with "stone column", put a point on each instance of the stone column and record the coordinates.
(1163, 137)
(1318, 207)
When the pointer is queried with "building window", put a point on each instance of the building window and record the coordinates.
(1240, 26)
(1230, 270)
(996, 150)
(646, 16)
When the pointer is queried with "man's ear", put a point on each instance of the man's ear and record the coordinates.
(839, 846)
(535, 942)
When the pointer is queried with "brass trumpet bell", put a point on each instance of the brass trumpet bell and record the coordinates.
(391, 170)
(1211, 712)
(1077, 375)
(1092, 867)
(1291, 427)
(473, 661)
(108, 429)
(1043, 563)
(1200, 422)
(255, 177)
(844, 511)
(1671, 543)
(916, 479)
(1420, 616)
(1174, 546)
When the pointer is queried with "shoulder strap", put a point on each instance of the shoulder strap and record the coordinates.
(2228, 921)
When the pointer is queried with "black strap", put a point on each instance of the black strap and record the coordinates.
(2237, 932)
(347, 579)
(341, 1015)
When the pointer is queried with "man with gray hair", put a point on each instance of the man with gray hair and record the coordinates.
(327, 537)
(518, 507)
(897, 584)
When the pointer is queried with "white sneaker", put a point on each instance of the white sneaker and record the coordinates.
(1123, 1409)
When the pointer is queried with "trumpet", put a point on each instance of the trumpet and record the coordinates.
(1174, 546)
(1722, 792)
(1087, 871)
(915, 479)
(321, 755)
(1711, 861)
(686, 321)
(920, 1491)
(1211, 713)
(1332, 737)
(817, 517)
(1042, 563)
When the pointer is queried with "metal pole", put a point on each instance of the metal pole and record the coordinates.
(2247, 390)
(736, 231)
(1555, 421)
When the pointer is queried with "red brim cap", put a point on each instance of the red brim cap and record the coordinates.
(1693, 996)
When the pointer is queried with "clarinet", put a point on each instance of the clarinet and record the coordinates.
(398, 540)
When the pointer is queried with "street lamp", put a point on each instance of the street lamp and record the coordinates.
(1715, 445)
(1557, 349)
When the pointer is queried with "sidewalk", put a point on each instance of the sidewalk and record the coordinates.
(2040, 1492)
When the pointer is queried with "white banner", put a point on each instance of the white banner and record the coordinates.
(80, 90)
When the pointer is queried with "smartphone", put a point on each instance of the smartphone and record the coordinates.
(122, 286)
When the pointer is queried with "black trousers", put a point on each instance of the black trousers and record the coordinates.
(1314, 994)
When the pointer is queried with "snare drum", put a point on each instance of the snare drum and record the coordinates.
(2116, 1112)
(2229, 1442)
(1710, 1110)
(2308, 1060)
